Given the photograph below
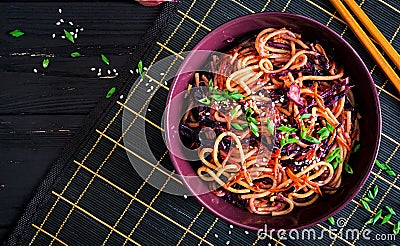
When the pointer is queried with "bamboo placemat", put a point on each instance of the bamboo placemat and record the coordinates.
(93, 196)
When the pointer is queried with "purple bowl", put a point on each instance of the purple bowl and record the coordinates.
(368, 106)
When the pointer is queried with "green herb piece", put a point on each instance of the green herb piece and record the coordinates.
(312, 139)
(236, 96)
(386, 218)
(330, 127)
(331, 220)
(45, 63)
(376, 217)
(391, 211)
(271, 126)
(288, 140)
(323, 133)
(140, 69)
(396, 228)
(237, 126)
(105, 59)
(303, 132)
(211, 84)
(356, 148)
(251, 119)
(111, 92)
(370, 221)
(337, 161)
(380, 165)
(244, 125)
(205, 101)
(348, 168)
(390, 172)
(366, 199)
(16, 33)
(392, 244)
(365, 205)
(69, 36)
(218, 98)
(376, 189)
(254, 129)
(333, 155)
(286, 129)
(249, 112)
(75, 54)
(370, 195)
(305, 116)
(235, 110)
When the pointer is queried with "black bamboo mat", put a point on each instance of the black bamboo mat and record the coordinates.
(92, 195)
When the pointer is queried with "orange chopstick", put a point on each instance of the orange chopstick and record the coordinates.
(366, 41)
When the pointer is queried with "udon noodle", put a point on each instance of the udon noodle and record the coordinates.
(276, 123)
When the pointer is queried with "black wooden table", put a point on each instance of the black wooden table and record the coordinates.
(41, 109)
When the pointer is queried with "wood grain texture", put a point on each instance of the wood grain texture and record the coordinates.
(40, 112)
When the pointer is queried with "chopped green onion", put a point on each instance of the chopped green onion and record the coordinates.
(391, 211)
(288, 140)
(370, 195)
(105, 59)
(16, 33)
(218, 98)
(366, 199)
(396, 228)
(140, 69)
(365, 205)
(380, 165)
(337, 161)
(111, 92)
(356, 148)
(376, 217)
(249, 112)
(312, 139)
(348, 168)
(333, 155)
(330, 127)
(235, 110)
(254, 129)
(376, 189)
(45, 62)
(211, 84)
(305, 116)
(205, 101)
(331, 220)
(69, 36)
(286, 129)
(271, 126)
(251, 119)
(324, 133)
(391, 172)
(386, 218)
(244, 125)
(236, 96)
(237, 126)
(75, 54)
(369, 221)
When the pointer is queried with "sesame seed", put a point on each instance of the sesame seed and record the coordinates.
(149, 110)
(108, 71)
(99, 74)
(162, 74)
(61, 20)
(121, 97)
(71, 23)
(58, 23)
(228, 242)
(229, 232)
(54, 35)
(116, 74)
(146, 84)
(81, 29)
(63, 37)
(76, 30)
(165, 83)
(35, 70)
(216, 235)
(114, 70)
(60, 11)
(92, 69)
(99, 70)
(231, 226)
(145, 68)
(246, 232)
(137, 71)
(72, 33)
(152, 87)
(150, 80)
(76, 35)
(131, 71)
(148, 90)
(185, 196)
(141, 80)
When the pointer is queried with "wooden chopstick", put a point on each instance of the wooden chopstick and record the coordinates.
(367, 43)
(375, 33)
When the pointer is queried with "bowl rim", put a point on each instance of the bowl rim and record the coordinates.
(175, 160)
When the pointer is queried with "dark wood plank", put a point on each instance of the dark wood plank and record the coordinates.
(41, 112)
